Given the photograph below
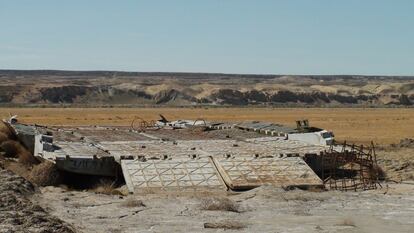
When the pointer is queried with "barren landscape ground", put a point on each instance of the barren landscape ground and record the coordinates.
(359, 125)
(265, 209)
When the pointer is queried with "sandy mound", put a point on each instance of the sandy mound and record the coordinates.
(18, 213)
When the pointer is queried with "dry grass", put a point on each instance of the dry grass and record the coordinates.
(105, 187)
(11, 148)
(220, 204)
(226, 224)
(303, 196)
(14, 149)
(25, 157)
(383, 126)
(132, 202)
(5, 130)
(347, 222)
(45, 174)
(3, 137)
(377, 173)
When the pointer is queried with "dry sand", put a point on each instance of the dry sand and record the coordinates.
(265, 209)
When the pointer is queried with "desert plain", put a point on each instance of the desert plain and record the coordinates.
(355, 125)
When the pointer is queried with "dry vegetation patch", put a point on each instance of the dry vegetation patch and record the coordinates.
(303, 196)
(220, 204)
(106, 187)
(18, 213)
(357, 125)
(5, 130)
(3, 137)
(347, 222)
(226, 224)
(14, 149)
(11, 148)
(25, 157)
(132, 202)
(45, 174)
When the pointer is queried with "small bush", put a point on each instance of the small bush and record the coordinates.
(3, 137)
(222, 204)
(347, 222)
(131, 203)
(14, 149)
(377, 173)
(11, 148)
(45, 174)
(226, 224)
(25, 157)
(4, 129)
(303, 196)
(105, 187)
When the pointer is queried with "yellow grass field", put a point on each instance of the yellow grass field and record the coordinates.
(383, 126)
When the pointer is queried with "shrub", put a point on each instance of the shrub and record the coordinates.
(11, 148)
(222, 204)
(3, 137)
(226, 224)
(347, 222)
(377, 173)
(105, 187)
(131, 202)
(25, 157)
(45, 174)
(4, 129)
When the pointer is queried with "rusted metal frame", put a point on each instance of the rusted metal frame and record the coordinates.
(357, 156)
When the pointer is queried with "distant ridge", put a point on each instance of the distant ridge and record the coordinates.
(119, 88)
(109, 73)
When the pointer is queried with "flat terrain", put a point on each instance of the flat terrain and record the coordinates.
(382, 125)
(264, 209)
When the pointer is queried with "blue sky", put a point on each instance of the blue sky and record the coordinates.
(230, 36)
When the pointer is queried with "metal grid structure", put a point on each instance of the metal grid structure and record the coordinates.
(240, 173)
(351, 168)
(202, 163)
(178, 173)
(139, 124)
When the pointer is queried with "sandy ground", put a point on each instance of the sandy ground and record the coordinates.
(383, 126)
(19, 214)
(265, 209)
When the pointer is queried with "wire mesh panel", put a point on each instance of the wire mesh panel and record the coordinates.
(351, 168)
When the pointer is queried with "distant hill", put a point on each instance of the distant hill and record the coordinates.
(113, 88)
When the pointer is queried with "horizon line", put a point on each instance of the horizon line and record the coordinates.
(195, 72)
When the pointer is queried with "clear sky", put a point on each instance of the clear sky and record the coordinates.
(230, 36)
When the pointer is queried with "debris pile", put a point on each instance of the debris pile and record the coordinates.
(404, 143)
(18, 213)
(196, 154)
(351, 168)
